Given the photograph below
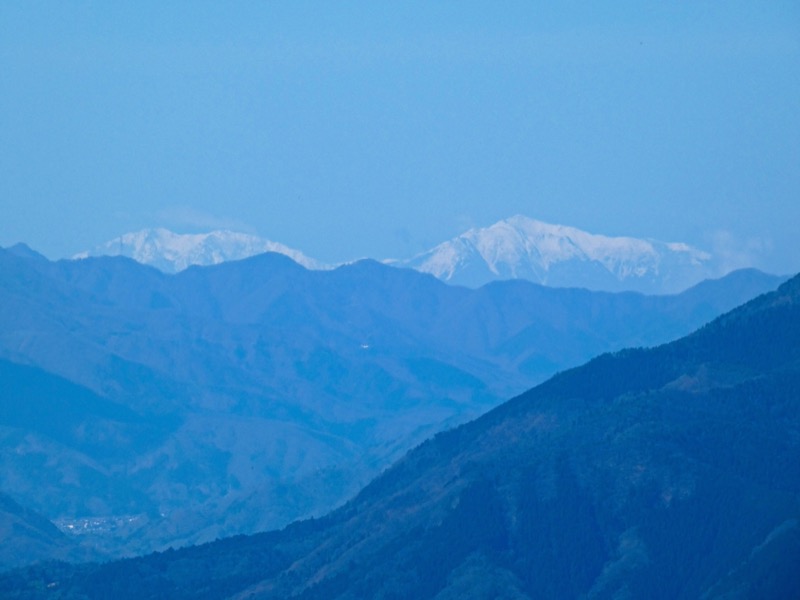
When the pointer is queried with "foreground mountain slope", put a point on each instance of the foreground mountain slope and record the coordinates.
(29, 537)
(60, 442)
(259, 383)
(557, 255)
(662, 473)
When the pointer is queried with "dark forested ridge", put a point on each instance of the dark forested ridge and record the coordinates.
(240, 397)
(664, 473)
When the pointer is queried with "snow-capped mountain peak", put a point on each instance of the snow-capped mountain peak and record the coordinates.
(172, 252)
(558, 255)
(514, 248)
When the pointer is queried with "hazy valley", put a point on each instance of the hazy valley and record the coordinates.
(144, 410)
(669, 472)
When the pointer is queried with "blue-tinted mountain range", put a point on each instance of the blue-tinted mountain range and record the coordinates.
(239, 397)
(669, 472)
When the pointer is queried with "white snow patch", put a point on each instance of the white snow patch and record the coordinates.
(172, 252)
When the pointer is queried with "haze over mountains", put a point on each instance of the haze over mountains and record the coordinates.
(180, 406)
(669, 472)
(515, 248)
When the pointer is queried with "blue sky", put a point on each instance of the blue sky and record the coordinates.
(380, 129)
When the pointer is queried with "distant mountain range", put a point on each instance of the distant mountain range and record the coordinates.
(173, 252)
(516, 248)
(559, 256)
(176, 407)
(665, 473)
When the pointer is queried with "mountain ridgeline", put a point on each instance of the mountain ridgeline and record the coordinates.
(669, 472)
(142, 410)
(173, 252)
(558, 255)
(514, 248)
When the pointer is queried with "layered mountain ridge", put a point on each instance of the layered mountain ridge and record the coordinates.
(668, 472)
(515, 248)
(259, 383)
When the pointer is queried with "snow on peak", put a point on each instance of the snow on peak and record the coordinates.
(172, 252)
(515, 248)
(524, 248)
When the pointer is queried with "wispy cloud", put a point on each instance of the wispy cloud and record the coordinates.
(733, 252)
(191, 218)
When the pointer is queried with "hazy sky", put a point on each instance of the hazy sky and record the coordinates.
(350, 129)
